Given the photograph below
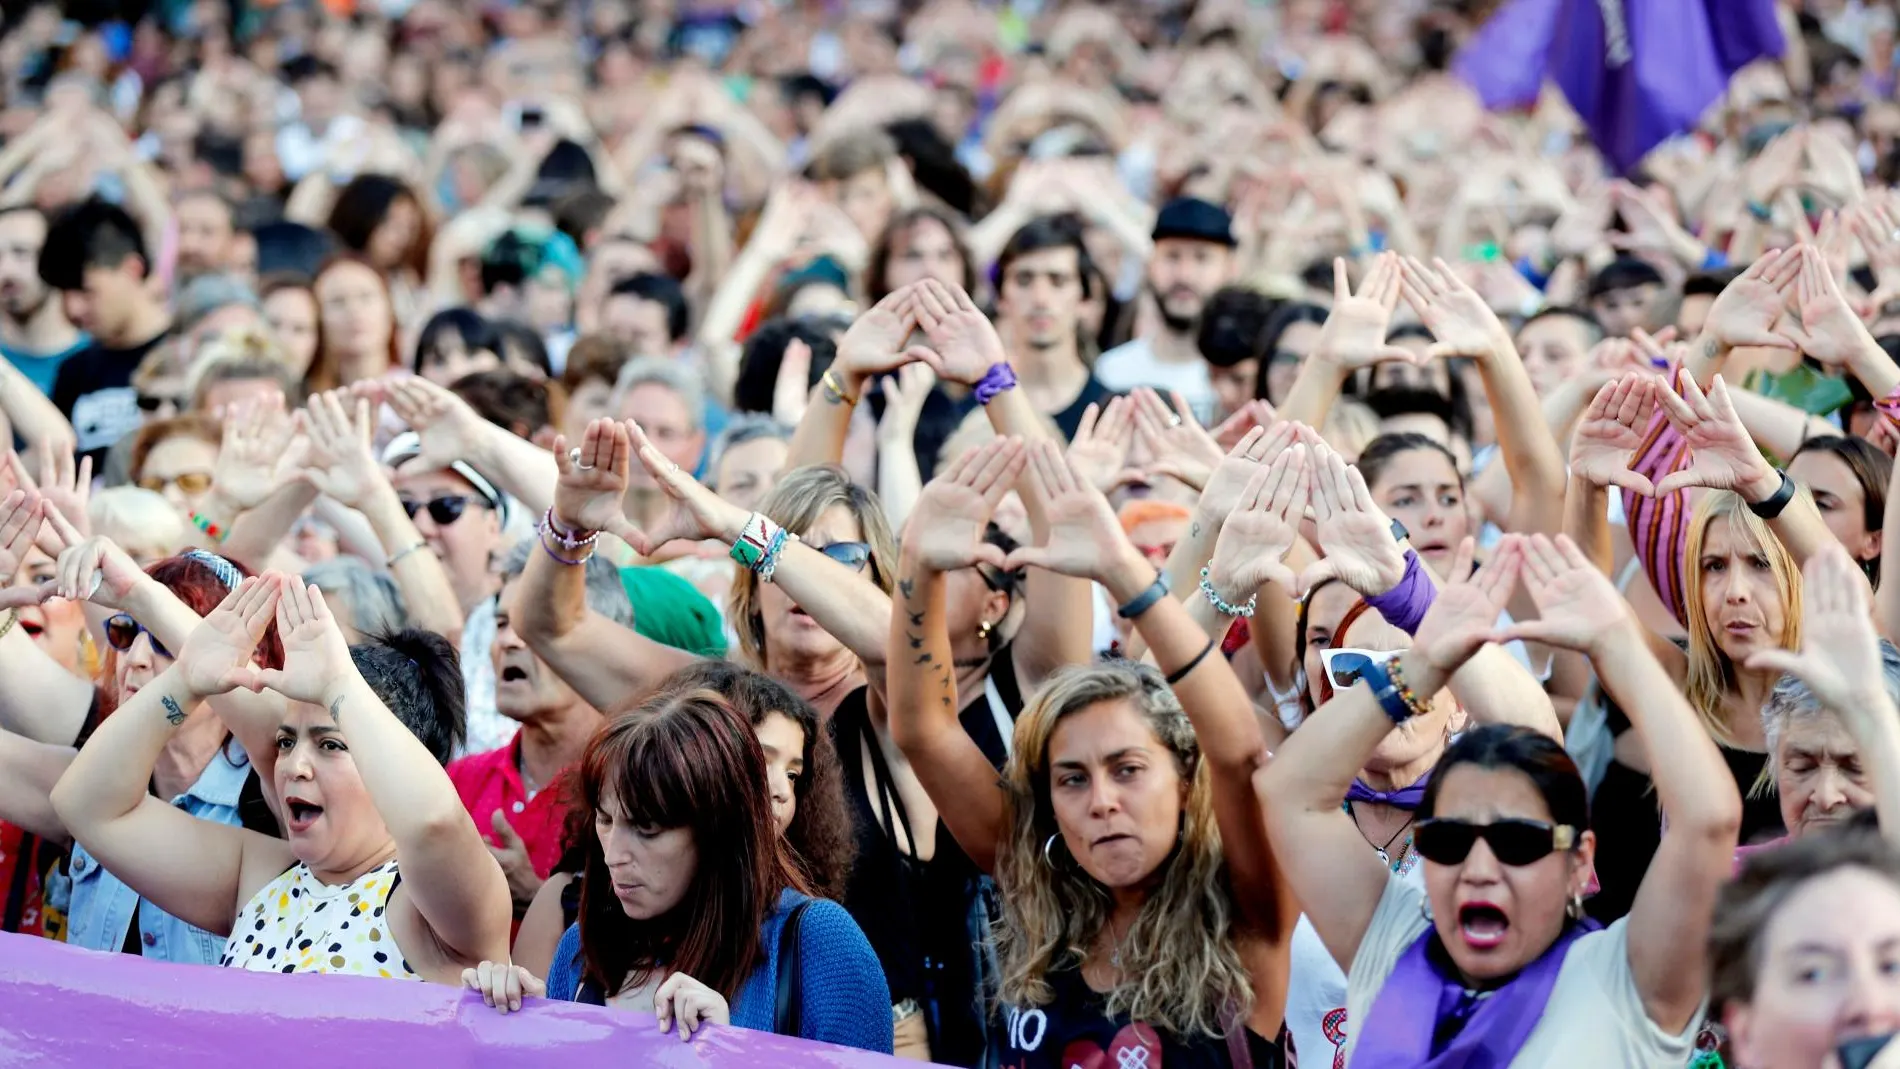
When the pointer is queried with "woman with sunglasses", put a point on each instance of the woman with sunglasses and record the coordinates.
(178, 459)
(376, 832)
(47, 713)
(1493, 960)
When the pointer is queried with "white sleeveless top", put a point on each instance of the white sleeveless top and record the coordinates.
(298, 923)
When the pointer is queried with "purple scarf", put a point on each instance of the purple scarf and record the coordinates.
(1406, 798)
(1418, 998)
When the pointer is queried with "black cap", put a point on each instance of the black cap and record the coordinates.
(1194, 219)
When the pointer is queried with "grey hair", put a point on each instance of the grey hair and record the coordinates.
(746, 427)
(1791, 701)
(670, 373)
(373, 597)
(606, 594)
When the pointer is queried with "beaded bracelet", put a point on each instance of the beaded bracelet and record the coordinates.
(556, 557)
(1221, 605)
(768, 565)
(565, 539)
(1396, 672)
(211, 530)
(754, 539)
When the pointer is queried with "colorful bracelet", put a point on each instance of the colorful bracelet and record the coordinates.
(566, 539)
(211, 530)
(768, 566)
(754, 539)
(1221, 605)
(1396, 672)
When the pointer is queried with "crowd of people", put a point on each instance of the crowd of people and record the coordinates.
(1020, 534)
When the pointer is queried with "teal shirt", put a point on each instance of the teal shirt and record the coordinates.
(42, 369)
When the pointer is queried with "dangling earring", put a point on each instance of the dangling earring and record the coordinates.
(983, 628)
(1425, 909)
(1574, 910)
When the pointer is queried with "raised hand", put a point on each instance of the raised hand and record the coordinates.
(946, 525)
(1611, 430)
(697, 512)
(1354, 533)
(1255, 413)
(1839, 658)
(904, 396)
(503, 985)
(1085, 539)
(964, 344)
(316, 655)
(342, 463)
(65, 487)
(1465, 613)
(1174, 439)
(22, 513)
(591, 491)
(1829, 330)
(97, 570)
(1744, 313)
(254, 441)
(1256, 449)
(1099, 449)
(1722, 455)
(218, 657)
(875, 342)
(1458, 317)
(446, 427)
(1253, 543)
(1578, 608)
(1355, 330)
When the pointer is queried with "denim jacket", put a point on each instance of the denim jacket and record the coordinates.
(100, 906)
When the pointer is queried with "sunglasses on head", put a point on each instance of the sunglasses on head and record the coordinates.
(1345, 666)
(853, 555)
(122, 631)
(191, 482)
(443, 510)
(1513, 842)
(152, 402)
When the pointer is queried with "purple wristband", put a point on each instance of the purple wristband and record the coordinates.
(1404, 606)
(998, 378)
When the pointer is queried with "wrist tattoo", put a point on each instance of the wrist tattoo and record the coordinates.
(335, 705)
(173, 712)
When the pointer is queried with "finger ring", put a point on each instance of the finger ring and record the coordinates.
(1174, 421)
(673, 468)
(574, 458)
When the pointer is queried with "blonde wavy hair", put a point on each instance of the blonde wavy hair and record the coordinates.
(795, 503)
(1711, 674)
(1181, 969)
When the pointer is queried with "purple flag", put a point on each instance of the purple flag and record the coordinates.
(1637, 71)
(61, 1006)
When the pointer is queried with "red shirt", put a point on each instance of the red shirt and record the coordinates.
(492, 781)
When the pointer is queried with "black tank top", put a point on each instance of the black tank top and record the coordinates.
(1073, 1030)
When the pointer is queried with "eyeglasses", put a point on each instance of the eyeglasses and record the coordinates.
(122, 631)
(853, 555)
(1513, 842)
(152, 402)
(443, 510)
(192, 483)
(1345, 666)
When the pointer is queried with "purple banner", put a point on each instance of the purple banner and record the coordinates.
(62, 1006)
(1637, 71)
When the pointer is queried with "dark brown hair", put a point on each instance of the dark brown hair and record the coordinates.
(323, 374)
(190, 425)
(898, 231)
(687, 760)
(593, 356)
(820, 836)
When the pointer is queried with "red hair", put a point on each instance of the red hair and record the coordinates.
(195, 583)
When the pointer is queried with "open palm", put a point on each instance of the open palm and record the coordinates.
(1747, 308)
(1466, 611)
(1577, 605)
(1099, 449)
(1355, 536)
(316, 655)
(446, 427)
(948, 521)
(1257, 536)
(1722, 455)
(696, 513)
(963, 343)
(875, 342)
(1830, 332)
(589, 493)
(1355, 330)
(1611, 431)
(1461, 323)
(342, 464)
(1840, 657)
(1084, 536)
(217, 655)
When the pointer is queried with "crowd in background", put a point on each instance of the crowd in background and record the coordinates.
(1027, 534)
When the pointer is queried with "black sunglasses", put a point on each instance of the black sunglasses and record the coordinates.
(443, 510)
(153, 402)
(1513, 842)
(853, 555)
(122, 631)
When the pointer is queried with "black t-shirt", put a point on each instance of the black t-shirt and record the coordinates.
(94, 391)
(1073, 1029)
(1069, 420)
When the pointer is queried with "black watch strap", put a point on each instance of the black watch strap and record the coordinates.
(1772, 507)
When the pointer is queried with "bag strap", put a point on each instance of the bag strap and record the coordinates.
(1239, 1052)
(785, 1013)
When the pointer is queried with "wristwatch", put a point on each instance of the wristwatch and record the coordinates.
(1772, 506)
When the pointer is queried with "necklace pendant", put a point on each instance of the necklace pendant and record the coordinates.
(1383, 856)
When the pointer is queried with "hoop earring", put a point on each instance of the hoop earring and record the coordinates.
(1048, 846)
(1425, 909)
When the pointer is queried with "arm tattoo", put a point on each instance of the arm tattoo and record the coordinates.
(335, 705)
(1195, 530)
(907, 587)
(173, 714)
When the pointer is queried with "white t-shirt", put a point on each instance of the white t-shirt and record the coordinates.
(1134, 364)
(1316, 991)
(1594, 1016)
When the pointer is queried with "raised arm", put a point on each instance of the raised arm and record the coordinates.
(344, 468)
(454, 881)
(40, 700)
(946, 534)
(450, 430)
(1669, 924)
(1745, 313)
(1338, 879)
(609, 665)
(1842, 663)
(873, 346)
(1353, 337)
(194, 869)
(1085, 541)
(35, 418)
